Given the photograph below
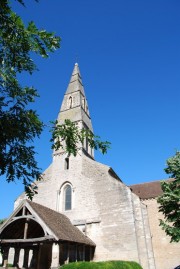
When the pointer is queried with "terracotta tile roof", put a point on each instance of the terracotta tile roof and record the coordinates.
(148, 190)
(60, 225)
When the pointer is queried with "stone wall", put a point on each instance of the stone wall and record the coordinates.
(103, 208)
(167, 255)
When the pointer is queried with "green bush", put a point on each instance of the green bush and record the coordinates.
(102, 265)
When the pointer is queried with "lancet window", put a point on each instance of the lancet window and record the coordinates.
(65, 197)
(68, 198)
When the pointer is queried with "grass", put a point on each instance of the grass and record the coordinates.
(102, 265)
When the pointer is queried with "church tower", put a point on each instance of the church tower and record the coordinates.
(75, 108)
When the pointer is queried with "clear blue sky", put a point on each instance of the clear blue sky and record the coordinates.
(129, 57)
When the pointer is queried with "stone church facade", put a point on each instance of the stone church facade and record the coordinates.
(83, 210)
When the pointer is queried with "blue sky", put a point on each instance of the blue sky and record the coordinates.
(129, 57)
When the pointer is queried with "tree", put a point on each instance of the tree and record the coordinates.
(170, 199)
(19, 124)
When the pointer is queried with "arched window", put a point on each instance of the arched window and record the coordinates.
(67, 198)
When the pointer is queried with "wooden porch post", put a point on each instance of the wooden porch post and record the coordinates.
(34, 259)
(39, 257)
(16, 257)
(76, 252)
(90, 253)
(67, 261)
(5, 256)
(26, 258)
(84, 249)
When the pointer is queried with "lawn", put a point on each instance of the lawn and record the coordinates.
(102, 265)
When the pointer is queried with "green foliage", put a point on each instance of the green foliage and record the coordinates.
(103, 265)
(2, 221)
(19, 124)
(74, 137)
(170, 199)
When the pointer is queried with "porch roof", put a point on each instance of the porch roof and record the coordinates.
(55, 225)
(60, 225)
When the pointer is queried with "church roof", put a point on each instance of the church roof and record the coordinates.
(147, 190)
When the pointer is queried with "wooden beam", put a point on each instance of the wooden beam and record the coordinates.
(24, 210)
(25, 230)
(23, 217)
(30, 240)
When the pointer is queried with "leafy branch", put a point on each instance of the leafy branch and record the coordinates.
(70, 138)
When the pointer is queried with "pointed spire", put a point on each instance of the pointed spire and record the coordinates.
(76, 71)
(75, 83)
(75, 107)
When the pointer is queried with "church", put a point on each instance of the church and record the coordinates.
(84, 212)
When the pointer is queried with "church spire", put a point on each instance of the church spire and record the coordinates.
(75, 106)
(75, 81)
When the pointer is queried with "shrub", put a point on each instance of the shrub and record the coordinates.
(102, 265)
